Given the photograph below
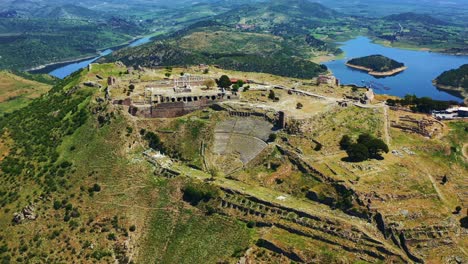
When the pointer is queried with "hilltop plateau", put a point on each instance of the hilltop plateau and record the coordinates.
(88, 176)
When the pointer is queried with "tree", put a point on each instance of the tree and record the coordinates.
(444, 180)
(272, 137)
(235, 88)
(167, 74)
(364, 139)
(240, 83)
(375, 146)
(357, 152)
(224, 82)
(272, 95)
(154, 141)
(299, 105)
(209, 84)
(345, 142)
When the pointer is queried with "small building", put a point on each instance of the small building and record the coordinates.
(234, 80)
(369, 95)
(245, 26)
(328, 79)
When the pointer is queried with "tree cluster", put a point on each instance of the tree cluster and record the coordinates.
(423, 104)
(224, 82)
(366, 147)
(377, 63)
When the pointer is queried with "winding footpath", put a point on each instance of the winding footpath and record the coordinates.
(465, 151)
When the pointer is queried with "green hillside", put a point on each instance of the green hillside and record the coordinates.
(455, 78)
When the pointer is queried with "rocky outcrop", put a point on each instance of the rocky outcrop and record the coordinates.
(28, 213)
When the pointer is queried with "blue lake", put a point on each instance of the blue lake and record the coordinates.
(68, 69)
(423, 67)
(65, 69)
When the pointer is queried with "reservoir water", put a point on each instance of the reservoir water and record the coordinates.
(423, 67)
(63, 70)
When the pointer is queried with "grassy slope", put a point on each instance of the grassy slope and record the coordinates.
(16, 92)
(130, 195)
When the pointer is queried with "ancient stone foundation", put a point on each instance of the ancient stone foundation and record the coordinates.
(169, 110)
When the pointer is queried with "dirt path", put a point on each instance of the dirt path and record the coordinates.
(386, 125)
(438, 191)
(465, 151)
(139, 207)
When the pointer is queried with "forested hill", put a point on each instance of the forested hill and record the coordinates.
(224, 51)
(455, 78)
(377, 63)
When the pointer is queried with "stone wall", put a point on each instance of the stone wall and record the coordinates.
(169, 110)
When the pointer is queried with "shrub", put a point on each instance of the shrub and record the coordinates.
(57, 205)
(464, 222)
(272, 137)
(318, 146)
(251, 224)
(272, 95)
(132, 228)
(112, 237)
(66, 218)
(99, 254)
(195, 193)
(96, 187)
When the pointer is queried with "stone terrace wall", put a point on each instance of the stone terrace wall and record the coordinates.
(169, 110)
